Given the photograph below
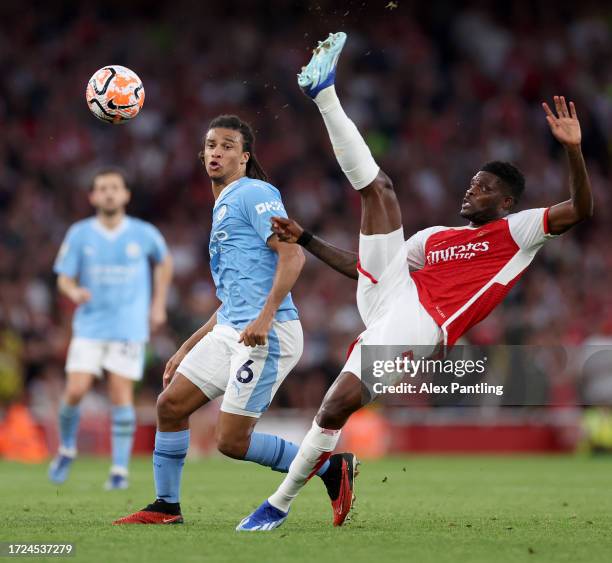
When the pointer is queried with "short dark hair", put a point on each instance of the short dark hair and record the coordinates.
(253, 168)
(104, 170)
(509, 174)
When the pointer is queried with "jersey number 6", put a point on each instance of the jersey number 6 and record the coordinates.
(245, 369)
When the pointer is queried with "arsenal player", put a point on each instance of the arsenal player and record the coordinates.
(427, 290)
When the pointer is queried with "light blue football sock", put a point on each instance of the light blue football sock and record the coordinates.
(168, 460)
(68, 425)
(123, 426)
(274, 452)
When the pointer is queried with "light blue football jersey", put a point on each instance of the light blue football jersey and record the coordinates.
(115, 266)
(242, 264)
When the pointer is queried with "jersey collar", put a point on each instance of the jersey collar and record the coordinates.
(228, 189)
(110, 234)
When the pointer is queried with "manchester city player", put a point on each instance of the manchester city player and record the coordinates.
(247, 348)
(103, 267)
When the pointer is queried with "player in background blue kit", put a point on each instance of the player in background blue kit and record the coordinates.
(104, 267)
(247, 348)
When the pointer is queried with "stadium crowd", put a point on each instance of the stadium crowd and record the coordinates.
(438, 92)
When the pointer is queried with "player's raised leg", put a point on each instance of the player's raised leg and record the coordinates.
(77, 385)
(381, 213)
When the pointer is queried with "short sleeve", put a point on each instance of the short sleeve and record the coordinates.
(68, 257)
(156, 244)
(260, 203)
(529, 228)
(415, 248)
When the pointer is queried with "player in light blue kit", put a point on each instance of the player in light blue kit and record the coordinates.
(104, 267)
(247, 348)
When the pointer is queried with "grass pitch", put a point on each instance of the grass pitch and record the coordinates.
(422, 509)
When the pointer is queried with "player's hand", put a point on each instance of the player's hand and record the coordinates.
(256, 333)
(287, 230)
(171, 366)
(565, 126)
(157, 317)
(80, 295)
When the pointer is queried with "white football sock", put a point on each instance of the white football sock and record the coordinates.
(68, 452)
(314, 451)
(350, 149)
(119, 470)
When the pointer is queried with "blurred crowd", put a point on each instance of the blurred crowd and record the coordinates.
(437, 88)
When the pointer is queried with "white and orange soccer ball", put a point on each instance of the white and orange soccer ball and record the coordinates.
(115, 94)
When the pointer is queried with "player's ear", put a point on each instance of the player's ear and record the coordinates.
(508, 203)
(245, 158)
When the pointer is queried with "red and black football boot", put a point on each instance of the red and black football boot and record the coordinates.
(160, 512)
(339, 480)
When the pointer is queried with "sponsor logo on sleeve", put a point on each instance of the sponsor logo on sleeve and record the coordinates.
(274, 205)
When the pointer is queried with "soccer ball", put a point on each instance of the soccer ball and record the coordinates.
(115, 94)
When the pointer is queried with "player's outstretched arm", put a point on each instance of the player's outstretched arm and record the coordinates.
(343, 261)
(565, 127)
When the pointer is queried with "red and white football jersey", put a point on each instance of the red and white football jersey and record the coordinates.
(464, 272)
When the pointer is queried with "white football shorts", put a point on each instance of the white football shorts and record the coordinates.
(247, 377)
(388, 300)
(124, 358)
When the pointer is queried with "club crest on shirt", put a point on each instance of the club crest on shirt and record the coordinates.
(133, 250)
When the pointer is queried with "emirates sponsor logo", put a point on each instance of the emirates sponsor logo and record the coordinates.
(458, 252)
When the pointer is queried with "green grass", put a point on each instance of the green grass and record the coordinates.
(439, 509)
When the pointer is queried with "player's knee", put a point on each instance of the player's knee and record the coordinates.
(232, 446)
(121, 396)
(381, 186)
(168, 408)
(74, 395)
(334, 412)
(384, 183)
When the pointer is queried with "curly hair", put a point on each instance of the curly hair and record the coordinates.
(509, 174)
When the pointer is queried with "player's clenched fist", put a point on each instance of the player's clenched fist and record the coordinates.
(287, 230)
(256, 333)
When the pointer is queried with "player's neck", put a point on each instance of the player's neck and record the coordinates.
(111, 222)
(219, 184)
